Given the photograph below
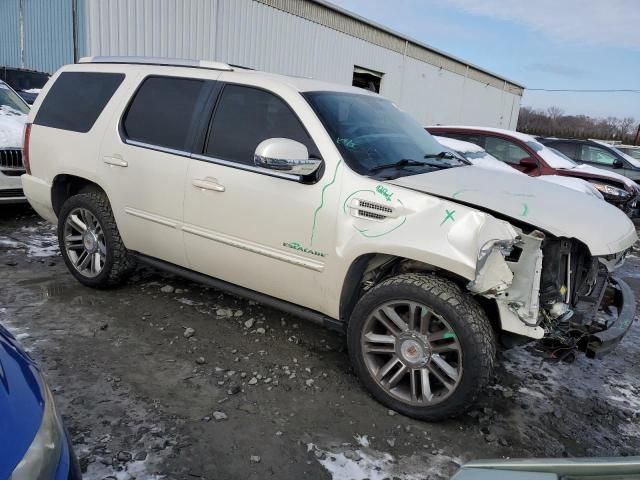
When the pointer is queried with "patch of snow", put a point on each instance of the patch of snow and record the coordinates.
(32, 90)
(370, 464)
(188, 301)
(362, 440)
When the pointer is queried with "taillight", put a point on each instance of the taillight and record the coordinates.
(25, 147)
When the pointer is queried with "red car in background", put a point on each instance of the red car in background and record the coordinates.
(523, 152)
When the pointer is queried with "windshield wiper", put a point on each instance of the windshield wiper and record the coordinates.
(448, 156)
(408, 163)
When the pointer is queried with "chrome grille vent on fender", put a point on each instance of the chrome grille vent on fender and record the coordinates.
(371, 210)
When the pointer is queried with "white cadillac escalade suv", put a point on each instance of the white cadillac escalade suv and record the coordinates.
(328, 202)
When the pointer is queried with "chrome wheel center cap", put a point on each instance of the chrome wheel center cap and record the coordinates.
(90, 241)
(414, 350)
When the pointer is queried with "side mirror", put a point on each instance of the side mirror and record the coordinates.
(528, 162)
(617, 163)
(286, 156)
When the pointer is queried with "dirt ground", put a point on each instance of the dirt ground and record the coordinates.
(252, 393)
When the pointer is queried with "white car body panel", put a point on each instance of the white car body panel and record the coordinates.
(11, 129)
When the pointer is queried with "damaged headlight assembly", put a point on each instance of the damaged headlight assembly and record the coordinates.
(611, 191)
(42, 458)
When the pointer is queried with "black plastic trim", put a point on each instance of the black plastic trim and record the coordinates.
(302, 312)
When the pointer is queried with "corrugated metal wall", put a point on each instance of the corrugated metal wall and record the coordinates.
(10, 33)
(307, 39)
(46, 34)
(257, 35)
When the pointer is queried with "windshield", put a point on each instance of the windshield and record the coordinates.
(11, 103)
(376, 138)
(633, 152)
(628, 157)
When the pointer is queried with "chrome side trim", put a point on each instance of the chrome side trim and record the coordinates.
(158, 148)
(255, 248)
(151, 217)
(249, 168)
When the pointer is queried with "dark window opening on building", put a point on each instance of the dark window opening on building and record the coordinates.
(367, 79)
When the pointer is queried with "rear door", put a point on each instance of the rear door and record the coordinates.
(145, 157)
(255, 227)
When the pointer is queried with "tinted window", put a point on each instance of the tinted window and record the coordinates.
(469, 137)
(163, 110)
(596, 155)
(505, 150)
(76, 100)
(245, 117)
(568, 148)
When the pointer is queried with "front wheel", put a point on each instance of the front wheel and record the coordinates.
(90, 242)
(421, 346)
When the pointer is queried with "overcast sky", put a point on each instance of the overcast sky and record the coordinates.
(553, 44)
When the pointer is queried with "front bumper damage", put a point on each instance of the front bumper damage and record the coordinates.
(622, 310)
(591, 315)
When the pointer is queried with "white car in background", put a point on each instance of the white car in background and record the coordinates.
(481, 158)
(13, 115)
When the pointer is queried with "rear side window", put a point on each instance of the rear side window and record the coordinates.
(247, 116)
(163, 110)
(568, 148)
(76, 100)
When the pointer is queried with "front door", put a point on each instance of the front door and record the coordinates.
(512, 154)
(250, 226)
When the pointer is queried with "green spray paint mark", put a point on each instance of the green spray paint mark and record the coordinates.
(382, 190)
(448, 216)
(364, 233)
(525, 210)
(347, 142)
(449, 335)
(315, 214)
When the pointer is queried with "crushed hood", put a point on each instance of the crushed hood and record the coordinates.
(11, 126)
(553, 208)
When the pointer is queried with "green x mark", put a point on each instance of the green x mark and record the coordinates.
(448, 216)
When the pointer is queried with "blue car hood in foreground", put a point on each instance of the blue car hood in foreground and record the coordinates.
(21, 403)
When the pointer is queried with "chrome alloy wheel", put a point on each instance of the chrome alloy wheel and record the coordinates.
(412, 353)
(84, 242)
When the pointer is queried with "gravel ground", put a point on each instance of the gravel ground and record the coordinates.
(164, 378)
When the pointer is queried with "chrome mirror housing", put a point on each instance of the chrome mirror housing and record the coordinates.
(286, 156)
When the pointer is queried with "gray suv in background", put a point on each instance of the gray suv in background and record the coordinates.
(598, 154)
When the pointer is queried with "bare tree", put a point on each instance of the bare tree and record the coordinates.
(554, 122)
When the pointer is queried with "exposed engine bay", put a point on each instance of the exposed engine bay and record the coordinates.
(556, 290)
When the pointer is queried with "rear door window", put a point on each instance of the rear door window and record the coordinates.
(246, 116)
(164, 111)
(568, 148)
(76, 100)
(505, 150)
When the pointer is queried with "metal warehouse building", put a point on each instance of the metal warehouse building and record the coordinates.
(309, 38)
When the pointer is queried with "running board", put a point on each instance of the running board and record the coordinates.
(267, 300)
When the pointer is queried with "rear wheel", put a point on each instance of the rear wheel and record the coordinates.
(90, 242)
(421, 346)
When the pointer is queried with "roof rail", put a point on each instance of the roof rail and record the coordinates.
(171, 62)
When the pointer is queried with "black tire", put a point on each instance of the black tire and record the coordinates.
(118, 264)
(465, 317)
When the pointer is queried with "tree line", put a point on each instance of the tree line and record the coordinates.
(554, 122)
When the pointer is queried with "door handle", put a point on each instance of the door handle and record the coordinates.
(208, 184)
(115, 160)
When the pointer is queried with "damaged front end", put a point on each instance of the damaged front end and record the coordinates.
(553, 289)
